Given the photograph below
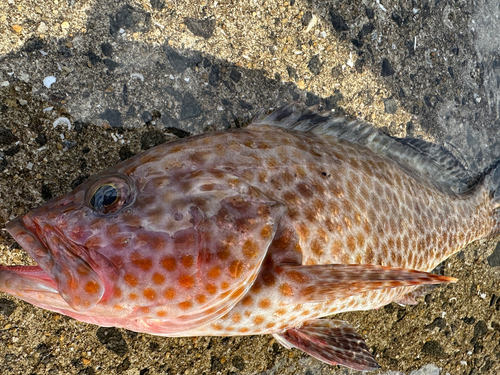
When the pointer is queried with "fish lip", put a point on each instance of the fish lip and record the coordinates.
(22, 234)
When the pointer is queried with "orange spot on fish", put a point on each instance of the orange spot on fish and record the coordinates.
(117, 292)
(265, 303)
(186, 281)
(186, 305)
(169, 263)
(201, 298)
(187, 261)
(130, 279)
(317, 247)
(158, 278)
(303, 231)
(224, 285)
(216, 326)
(236, 317)
(270, 325)
(266, 232)
(161, 314)
(169, 293)
(244, 329)
(149, 294)
(92, 287)
(143, 263)
(247, 301)
(214, 272)
(118, 307)
(132, 296)
(286, 289)
(211, 288)
(259, 319)
(250, 249)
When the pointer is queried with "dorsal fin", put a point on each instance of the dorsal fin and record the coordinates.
(427, 162)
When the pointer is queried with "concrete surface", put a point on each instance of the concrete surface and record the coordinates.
(132, 74)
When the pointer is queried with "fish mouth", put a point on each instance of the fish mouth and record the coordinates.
(61, 267)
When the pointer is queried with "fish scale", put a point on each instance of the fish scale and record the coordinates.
(260, 230)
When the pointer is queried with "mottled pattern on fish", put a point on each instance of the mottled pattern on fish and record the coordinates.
(250, 231)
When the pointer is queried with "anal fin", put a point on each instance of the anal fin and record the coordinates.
(332, 281)
(331, 341)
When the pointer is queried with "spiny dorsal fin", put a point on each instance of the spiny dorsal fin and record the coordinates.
(425, 161)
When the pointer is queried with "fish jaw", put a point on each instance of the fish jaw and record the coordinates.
(61, 268)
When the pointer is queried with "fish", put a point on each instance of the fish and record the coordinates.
(267, 229)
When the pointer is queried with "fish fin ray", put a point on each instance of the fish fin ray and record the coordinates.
(410, 298)
(332, 281)
(427, 162)
(331, 341)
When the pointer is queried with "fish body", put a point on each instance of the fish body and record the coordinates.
(260, 230)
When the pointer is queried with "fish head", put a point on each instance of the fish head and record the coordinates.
(175, 247)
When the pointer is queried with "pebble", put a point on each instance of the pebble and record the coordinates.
(48, 81)
(65, 26)
(17, 28)
(42, 28)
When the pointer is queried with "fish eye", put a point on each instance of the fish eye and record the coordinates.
(104, 197)
(110, 196)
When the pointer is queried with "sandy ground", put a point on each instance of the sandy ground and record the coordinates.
(84, 84)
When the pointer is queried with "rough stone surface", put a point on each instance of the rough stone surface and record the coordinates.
(132, 73)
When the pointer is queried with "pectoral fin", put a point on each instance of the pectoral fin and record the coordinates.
(331, 281)
(331, 341)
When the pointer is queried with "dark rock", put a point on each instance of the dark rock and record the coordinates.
(203, 28)
(390, 106)
(314, 65)
(110, 64)
(79, 125)
(398, 19)
(366, 30)
(157, 4)
(144, 371)
(125, 94)
(41, 139)
(438, 322)
(106, 49)
(179, 133)
(11, 151)
(235, 75)
(113, 117)
(7, 307)
(292, 72)
(93, 58)
(87, 371)
(152, 138)
(480, 329)
(125, 152)
(387, 69)
(129, 18)
(46, 192)
(338, 22)
(357, 43)
(179, 62)
(124, 366)
(332, 101)
(306, 18)
(245, 105)
(69, 144)
(113, 340)
(369, 12)
(214, 75)
(78, 181)
(450, 70)
(311, 99)
(238, 362)
(433, 348)
(469, 320)
(494, 258)
(6, 136)
(85, 150)
(3, 164)
(147, 116)
(190, 107)
(33, 44)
